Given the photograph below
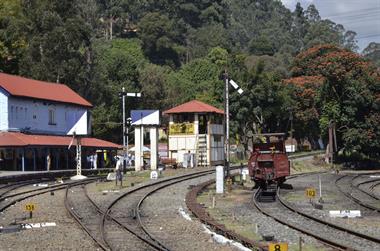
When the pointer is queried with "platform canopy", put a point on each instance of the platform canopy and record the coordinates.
(194, 106)
(18, 139)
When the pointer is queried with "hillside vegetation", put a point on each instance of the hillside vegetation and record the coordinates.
(290, 64)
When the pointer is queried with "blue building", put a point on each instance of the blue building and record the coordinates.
(37, 120)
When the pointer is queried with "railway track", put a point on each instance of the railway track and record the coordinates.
(123, 219)
(372, 182)
(346, 186)
(11, 199)
(334, 236)
(85, 211)
(10, 187)
(204, 217)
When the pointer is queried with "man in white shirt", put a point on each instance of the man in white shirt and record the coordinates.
(119, 171)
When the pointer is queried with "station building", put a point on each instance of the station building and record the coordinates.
(196, 128)
(37, 120)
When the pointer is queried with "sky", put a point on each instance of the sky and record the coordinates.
(361, 16)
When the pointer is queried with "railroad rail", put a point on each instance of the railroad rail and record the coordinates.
(352, 188)
(5, 189)
(370, 191)
(80, 212)
(137, 228)
(312, 220)
(204, 217)
(20, 196)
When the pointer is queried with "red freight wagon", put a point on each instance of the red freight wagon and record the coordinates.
(268, 164)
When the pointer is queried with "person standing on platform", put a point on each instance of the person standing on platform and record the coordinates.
(119, 171)
(48, 162)
(95, 161)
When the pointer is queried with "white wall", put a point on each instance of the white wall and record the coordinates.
(182, 144)
(3, 110)
(33, 115)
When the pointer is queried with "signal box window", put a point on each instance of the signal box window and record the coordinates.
(183, 118)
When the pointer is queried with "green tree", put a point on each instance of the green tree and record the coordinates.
(13, 42)
(372, 52)
(117, 64)
(153, 86)
(198, 79)
(159, 39)
(263, 105)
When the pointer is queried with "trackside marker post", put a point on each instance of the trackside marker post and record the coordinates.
(220, 179)
(30, 207)
(283, 246)
(310, 193)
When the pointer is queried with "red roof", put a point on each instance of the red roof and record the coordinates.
(18, 139)
(194, 106)
(24, 87)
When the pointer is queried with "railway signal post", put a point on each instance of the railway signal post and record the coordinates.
(123, 94)
(227, 81)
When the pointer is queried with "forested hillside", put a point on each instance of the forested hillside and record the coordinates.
(175, 51)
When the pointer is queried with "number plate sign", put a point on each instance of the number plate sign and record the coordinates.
(278, 246)
(310, 192)
(30, 207)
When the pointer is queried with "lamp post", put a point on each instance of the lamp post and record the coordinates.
(123, 94)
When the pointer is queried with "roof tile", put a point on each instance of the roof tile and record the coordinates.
(24, 87)
(194, 106)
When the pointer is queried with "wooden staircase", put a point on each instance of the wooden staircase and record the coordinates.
(202, 150)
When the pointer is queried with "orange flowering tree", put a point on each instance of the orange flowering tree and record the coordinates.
(331, 83)
(304, 90)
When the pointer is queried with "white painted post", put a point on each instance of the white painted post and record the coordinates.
(79, 157)
(153, 147)
(138, 148)
(219, 179)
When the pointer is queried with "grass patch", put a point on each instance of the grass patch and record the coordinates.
(293, 197)
(309, 165)
(237, 223)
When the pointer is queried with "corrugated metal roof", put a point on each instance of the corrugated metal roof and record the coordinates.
(18, 139)
(194, 106)
(24, 87)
